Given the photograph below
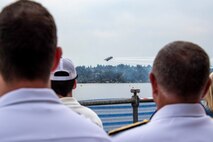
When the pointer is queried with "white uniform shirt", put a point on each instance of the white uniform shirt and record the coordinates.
(173, 123)
(37, 115)
(73, 104)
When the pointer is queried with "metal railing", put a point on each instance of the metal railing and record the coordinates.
(134, 100)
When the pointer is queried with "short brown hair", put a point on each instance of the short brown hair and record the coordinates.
(27, 41)
(182, 68)
(62, 87)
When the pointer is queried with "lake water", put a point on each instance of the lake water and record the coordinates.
(110, 90)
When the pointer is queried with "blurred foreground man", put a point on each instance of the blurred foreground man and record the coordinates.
(179, 79)
(29, 110)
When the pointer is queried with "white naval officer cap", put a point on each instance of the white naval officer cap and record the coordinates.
(66, 67)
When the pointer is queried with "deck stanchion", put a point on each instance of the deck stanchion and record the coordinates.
(135, 103)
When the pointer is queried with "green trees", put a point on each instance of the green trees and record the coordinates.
(113, 74)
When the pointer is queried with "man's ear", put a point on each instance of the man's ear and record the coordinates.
(208, 85)
(58, 54)
(75, 84)
(154, 85)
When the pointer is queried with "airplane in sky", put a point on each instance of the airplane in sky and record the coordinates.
(108, 58)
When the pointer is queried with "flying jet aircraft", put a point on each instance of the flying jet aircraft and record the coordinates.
(108, 58)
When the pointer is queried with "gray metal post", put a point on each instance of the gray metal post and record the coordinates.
(135, 104)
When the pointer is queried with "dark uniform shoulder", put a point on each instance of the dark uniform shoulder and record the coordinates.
(127, 127)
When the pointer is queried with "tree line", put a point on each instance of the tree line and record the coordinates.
(113, 74)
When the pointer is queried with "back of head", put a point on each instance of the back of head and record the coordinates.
(63, 78)
(182, 68)
(27, 41)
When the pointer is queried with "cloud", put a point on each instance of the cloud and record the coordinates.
(90, 30)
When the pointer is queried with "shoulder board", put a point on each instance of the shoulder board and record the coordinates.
(127, 127)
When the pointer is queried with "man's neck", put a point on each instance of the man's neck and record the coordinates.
(7, 87)
(172, 99)
(68, 95)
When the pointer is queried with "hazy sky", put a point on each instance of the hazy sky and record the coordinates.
(91, 30)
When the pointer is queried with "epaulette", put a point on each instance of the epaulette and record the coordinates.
(127, 127)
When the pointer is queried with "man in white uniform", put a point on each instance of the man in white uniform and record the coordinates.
(29, 110)
(63, 81)
(179, 80)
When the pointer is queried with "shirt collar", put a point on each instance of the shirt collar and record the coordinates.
(180, 110)
(29, 94)
(70, 101)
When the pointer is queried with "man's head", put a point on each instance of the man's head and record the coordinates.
(27, 42)
(180, 73)
(63, 79)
